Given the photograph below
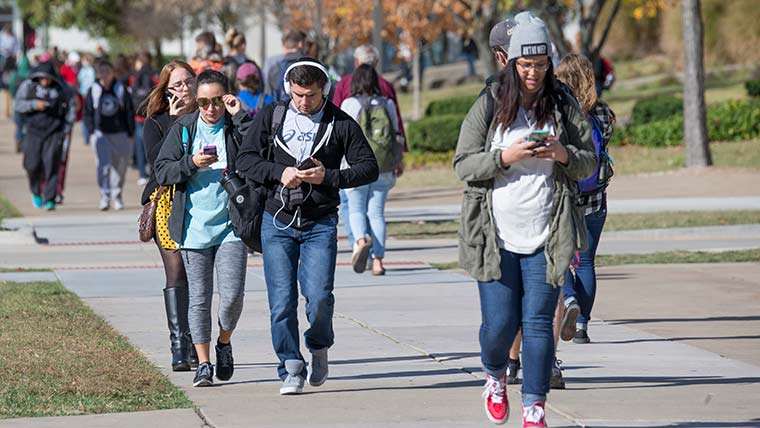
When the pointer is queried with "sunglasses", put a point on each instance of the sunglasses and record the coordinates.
(204, 102)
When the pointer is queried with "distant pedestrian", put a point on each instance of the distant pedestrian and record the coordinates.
(579, 290)
(109, 113)
(141, 82)
(292, 46)
(249, 89)
(367, 54)
(85, 78)
(44, 103)
(376, 115)
(208, 55)
(518, 183)
(236, 57)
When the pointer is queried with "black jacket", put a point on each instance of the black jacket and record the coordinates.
(346, 139)
(121, 119)
(174, 164)
(156, 127)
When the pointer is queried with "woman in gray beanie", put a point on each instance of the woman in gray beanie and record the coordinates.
(520, 225)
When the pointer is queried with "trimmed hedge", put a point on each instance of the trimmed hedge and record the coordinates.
(753, 87)
(454, 105)
(728, 121)
(434, 134)
(656, 108)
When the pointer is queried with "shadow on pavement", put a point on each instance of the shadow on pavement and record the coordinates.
(677, 339)
(655, 381)
(709, 319)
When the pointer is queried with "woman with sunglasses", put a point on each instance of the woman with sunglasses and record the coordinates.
(520, 223)
(173, 96)
(195, 152)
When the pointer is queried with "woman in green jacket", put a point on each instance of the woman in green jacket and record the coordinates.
(520, 225)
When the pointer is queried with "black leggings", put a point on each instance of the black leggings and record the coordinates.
(174, 267)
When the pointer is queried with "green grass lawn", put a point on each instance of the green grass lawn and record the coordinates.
(7, 210)
(670, 257)
(615, 222)
(628, 160)
(58, 358)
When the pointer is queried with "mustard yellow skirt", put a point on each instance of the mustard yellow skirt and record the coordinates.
(163, 210)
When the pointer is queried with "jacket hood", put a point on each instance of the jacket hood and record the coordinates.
(44, 70)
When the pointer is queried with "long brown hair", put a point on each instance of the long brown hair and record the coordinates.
(509, 95)
(576, 71)
(157, 102)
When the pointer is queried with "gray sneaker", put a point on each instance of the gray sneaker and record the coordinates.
(572, 310)
(293, 383)
(319, 367)
(557, 382)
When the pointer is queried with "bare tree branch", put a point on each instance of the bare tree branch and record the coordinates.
(606, 32)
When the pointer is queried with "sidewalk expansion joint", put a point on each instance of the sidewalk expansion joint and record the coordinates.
(400, 342)
(203, 417)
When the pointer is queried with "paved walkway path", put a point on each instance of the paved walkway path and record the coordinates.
(673, 345)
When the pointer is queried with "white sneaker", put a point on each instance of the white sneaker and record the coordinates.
(104, 203)
(293, 383)
(118, 204)
(142, 181)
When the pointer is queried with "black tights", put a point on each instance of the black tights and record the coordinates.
(173, 267)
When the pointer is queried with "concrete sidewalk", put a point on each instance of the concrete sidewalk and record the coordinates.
(406, 352)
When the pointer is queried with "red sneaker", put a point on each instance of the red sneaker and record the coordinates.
(496, 402)
(534, 416)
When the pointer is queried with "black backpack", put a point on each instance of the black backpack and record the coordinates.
(246, 203)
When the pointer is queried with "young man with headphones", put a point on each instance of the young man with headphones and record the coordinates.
(295, 148)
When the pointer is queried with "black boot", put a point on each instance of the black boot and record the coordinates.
(176, 302)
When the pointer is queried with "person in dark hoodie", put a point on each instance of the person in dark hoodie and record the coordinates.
(109, 113)
(295, 150)
(44, 102)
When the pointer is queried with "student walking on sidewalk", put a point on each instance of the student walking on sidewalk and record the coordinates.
(172, 97)
(295, 150)
(110, 117)
(195, 152)
(520, 224)
(44, 102)
(579, 290)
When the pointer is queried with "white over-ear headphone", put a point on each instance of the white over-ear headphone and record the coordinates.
(310, 63)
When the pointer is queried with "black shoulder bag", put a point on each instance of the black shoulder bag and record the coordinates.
(248, 198)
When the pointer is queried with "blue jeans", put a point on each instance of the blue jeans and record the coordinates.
(582, 286)
(316, 247)
(366, 204)
(140, 159)
(343, 213)
(18, 119)
(85, 133)
(521, 298)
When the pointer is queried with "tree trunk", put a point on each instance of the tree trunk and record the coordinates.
(262, 35)
(158, 59)
(485, 54)
(417, 78)
(695, 117)
(377, 33)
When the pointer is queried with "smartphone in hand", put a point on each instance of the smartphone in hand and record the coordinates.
(209, 150)
(537, 137)
(307, 163)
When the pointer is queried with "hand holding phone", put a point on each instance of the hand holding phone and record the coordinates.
(307, 163)
(537, 137)
(209, 150)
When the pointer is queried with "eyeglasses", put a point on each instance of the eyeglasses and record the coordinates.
(189, 83)
(204, 102)
(537, 66)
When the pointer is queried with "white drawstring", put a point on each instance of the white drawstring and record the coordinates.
(297, 213)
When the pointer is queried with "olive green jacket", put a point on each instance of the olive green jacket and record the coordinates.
(477, 165)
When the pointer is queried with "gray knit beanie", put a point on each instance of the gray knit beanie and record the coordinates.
(529, 37)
